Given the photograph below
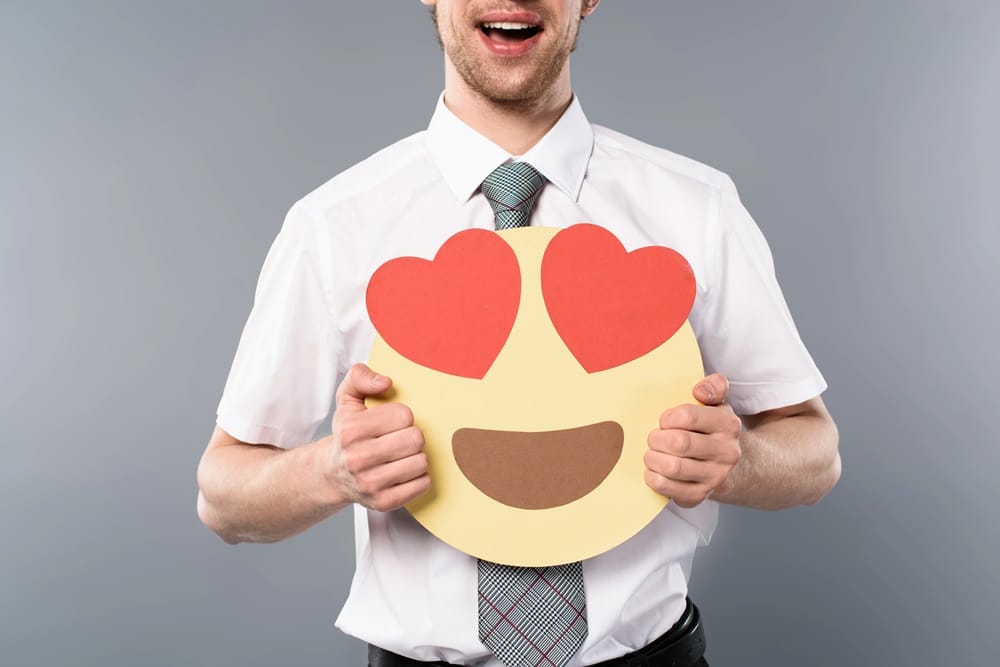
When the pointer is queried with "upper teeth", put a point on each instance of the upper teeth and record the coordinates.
(507, 25)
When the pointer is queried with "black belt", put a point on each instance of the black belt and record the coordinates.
(680, 646)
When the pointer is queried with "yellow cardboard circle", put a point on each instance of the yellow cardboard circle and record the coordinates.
(535, 385)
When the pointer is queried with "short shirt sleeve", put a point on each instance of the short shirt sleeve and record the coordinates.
(744, 326)
(282, 380)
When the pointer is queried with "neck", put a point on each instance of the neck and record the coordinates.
(514, 126)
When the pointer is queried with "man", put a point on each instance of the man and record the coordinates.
(507, 95)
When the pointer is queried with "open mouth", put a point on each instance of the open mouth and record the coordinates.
(538, 470)
(509, 32)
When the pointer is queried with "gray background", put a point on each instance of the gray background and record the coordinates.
(150, 151)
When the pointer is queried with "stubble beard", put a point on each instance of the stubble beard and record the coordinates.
(496, 85)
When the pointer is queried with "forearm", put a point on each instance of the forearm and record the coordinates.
(789, 458)
(259, 493)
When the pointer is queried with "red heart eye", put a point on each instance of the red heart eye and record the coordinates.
(611, 306)
(454, 313)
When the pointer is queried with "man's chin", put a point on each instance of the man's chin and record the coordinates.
(512, 91)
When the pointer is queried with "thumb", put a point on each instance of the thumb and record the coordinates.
(359, 382)
(712, 390)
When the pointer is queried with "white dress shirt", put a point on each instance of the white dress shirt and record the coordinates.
(411, 593)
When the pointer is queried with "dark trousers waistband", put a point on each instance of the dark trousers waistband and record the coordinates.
(683, 645)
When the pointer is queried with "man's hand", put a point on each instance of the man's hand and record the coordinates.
(377, 456)
(696, 446)
(263, 493)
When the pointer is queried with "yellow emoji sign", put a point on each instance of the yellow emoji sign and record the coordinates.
(536, 361)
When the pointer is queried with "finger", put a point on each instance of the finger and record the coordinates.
(701, 419)
(375, 422)
(395, 472)
(379, 451)
(680, 469)
(685, 494)
(712, 390)
(698, 446)
(400, 494)
(359, 382)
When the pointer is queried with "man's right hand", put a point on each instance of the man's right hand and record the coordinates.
(377, 455)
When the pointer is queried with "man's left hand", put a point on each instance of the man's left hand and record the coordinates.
(696, 446)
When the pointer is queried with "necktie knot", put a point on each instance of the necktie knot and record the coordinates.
(511, 189)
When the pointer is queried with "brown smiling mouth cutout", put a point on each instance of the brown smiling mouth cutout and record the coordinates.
(455, 313)
(538, 470)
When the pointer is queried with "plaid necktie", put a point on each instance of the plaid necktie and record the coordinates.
(528, 616)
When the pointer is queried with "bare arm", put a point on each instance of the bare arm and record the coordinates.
(262, 493)
(776, 459)
(789, 457)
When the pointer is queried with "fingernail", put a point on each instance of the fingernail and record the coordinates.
(707, 388)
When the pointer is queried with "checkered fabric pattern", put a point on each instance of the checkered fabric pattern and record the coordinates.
(528, 616)
(512, 190)
(532, 617)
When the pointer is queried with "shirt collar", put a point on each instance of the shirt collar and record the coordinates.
(466, 157)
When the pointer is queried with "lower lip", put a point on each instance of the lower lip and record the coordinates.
(509, 49)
